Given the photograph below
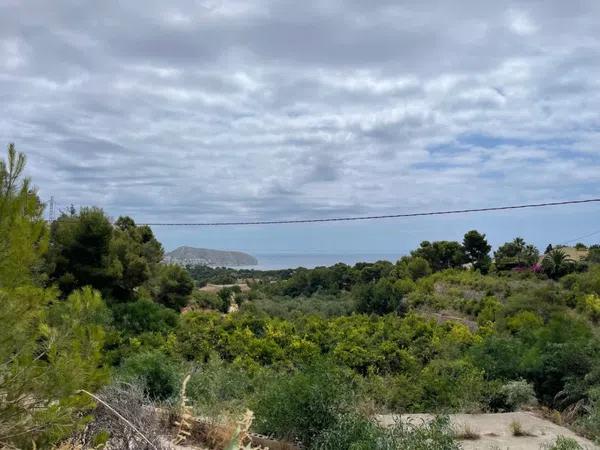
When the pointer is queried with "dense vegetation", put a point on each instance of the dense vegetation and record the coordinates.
(312, 352)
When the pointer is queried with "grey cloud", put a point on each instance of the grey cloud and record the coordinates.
(269, 109)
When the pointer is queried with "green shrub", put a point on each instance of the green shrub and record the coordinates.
(355, 432)
(159, 375)
(322, 305)
(206, 300)
(217, 386)
(590, 306)
(590, 423)
(435, 435)
(398, 393)
(517, 393)
(174, 287)
(452, 386)
(418, 267)
(565, 443)
(143, 316)
(350, 431)
(499, 356)
(405, 286)
(382, 297)
(302, 404)
(489, 309)
(226, 295)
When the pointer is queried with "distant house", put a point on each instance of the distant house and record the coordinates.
(573, 253)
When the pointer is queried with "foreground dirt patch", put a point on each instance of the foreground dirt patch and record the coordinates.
(495, 430)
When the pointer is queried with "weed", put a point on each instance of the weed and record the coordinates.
(564, 443)
(517, 429)
(467, 434)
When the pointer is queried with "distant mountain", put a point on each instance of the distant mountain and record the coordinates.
(190, 255)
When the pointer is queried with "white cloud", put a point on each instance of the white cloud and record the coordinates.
(11, 54)
(279, 109)
(520, 22)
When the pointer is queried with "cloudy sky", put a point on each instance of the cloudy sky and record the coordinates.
(254, 109)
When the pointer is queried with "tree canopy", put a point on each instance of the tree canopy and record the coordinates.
(87, 250)
(477, 249)
(516, 253)
(441, 254)
(51, 349)
(23, 232)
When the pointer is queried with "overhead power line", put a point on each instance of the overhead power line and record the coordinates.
(577, 239)
(385, 216)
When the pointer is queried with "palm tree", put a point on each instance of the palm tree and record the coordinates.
(519, 242)
(557, 263)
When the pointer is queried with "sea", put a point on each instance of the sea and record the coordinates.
(274, 261)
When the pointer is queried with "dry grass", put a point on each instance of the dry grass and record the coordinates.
(223, 433)
(552, 415)
(183, 422)
(467, 434)
(133, 422)
(517, 430)
(127, 417)
(69, 446)
(226, 434)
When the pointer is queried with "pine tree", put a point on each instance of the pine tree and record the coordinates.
(23, 232)
(51, 349)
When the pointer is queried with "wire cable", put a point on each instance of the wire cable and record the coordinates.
(577, 239)
(385, 216)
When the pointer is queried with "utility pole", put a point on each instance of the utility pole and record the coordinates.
(51, 210)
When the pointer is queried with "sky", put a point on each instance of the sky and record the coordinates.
(236, 110)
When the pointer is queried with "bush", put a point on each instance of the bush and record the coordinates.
(144, 316)
(321, 305)
(517, 430)
(382, 297)
(517, 393)
(355, 432)
(350, 431)
(303, 404)
(418, 267)
(565, 443)
(499, 356)
(590, 306)
(452, 385)
(158, 374)
(227, 294)
(590, 423)
(435, 435)
(206, 300)
(218, 386)
(404, 393)
(174, 287)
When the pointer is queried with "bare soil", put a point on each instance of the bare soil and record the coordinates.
(217, 287)
(495, 432)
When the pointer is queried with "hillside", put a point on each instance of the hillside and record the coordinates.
(327, 358)
(190, 255)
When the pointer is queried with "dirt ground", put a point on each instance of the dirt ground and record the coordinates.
(495, 430)
(217, 287)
